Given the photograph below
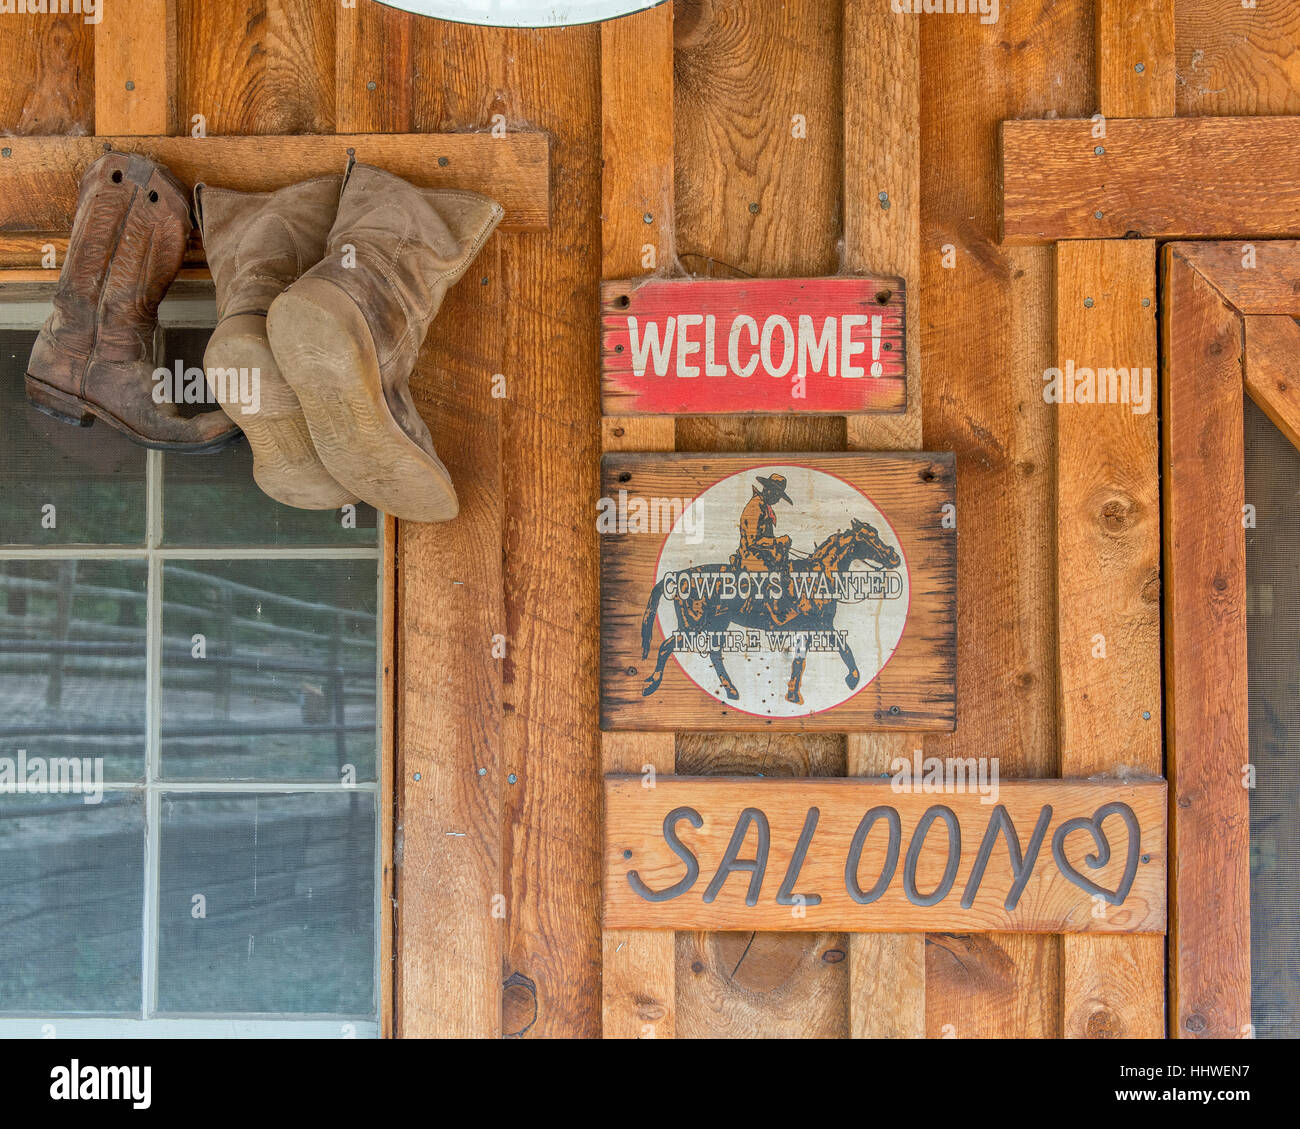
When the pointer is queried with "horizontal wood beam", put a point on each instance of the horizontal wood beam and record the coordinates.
(39, 175)
(1158, 178)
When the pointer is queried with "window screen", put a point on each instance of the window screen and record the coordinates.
(1273, 642)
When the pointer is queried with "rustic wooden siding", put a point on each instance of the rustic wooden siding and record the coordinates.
(749, 199)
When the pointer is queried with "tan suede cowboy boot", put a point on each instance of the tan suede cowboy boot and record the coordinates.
(258, 244)
(97, 355)
(348, 333)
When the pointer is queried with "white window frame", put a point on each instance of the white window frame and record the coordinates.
(199, 312)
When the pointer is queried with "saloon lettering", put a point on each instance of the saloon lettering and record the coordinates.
(1021, 859)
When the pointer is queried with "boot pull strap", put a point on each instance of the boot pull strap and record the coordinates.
(198, 208)
(139, 170)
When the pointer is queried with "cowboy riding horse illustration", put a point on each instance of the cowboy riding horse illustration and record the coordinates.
(771, 600)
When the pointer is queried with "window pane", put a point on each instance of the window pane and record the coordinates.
(71, 892)
(287, 884)
(72, 661)
(1273, 673)
(286, 690)
(93, 478)
(212, 501)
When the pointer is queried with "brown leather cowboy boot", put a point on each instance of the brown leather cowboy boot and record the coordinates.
(348, 333)
(97, 354)
(257, 244)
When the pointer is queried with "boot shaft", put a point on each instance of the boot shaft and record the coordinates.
(129, 237)
(397, 250)
(258, 243)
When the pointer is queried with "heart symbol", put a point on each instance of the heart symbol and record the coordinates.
(1102, 855)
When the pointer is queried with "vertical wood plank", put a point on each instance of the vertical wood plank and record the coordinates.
(1108, 592)
(135, 69)
(258, 66)
(1237, 59)
(986, 340)
(450, 887)
(545, 342)
(1136, 73)
(636, 101)
(758, 195)
(48, 82)
(1205, 657)
(882, 154)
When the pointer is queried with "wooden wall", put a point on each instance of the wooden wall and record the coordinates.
(521, 562)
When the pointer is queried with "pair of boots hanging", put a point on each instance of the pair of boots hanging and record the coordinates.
(325, 291)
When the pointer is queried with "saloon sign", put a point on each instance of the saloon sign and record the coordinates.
(828, 345)
(1042, 856)
(796, 592)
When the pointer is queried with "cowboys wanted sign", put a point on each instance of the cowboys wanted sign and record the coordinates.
(828, 345)
(778, 591)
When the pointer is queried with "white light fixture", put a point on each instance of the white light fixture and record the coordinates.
(523, 13)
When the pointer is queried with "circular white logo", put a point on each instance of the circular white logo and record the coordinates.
(782, 591)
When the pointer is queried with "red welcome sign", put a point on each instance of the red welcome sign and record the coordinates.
(830, 346)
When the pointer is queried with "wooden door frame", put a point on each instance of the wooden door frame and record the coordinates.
(1227, 327)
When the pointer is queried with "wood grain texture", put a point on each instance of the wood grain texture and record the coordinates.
(899, 674)
(638, 969)
(135, 68)
(450, 886)
(1234, 59)
(1159, 178)
(546, 346)
(636, 184)
(754, 200)
(1108, 513)
(1273, 370)
(452, 907)
(1255, 277)
(882, 154)
(1136, 73)
(38, 183)
(48, 84)
(260, 67)
(986, 340)
(667, 850)
(1108, 590)
(1205, 656)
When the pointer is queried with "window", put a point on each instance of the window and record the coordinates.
(190, 815)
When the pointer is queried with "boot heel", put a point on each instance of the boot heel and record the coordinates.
(45, 398)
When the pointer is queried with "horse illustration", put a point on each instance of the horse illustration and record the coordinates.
(801, 613)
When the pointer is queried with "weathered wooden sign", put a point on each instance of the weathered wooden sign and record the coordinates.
(864, 856)
(778, 592)
(827, 345)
